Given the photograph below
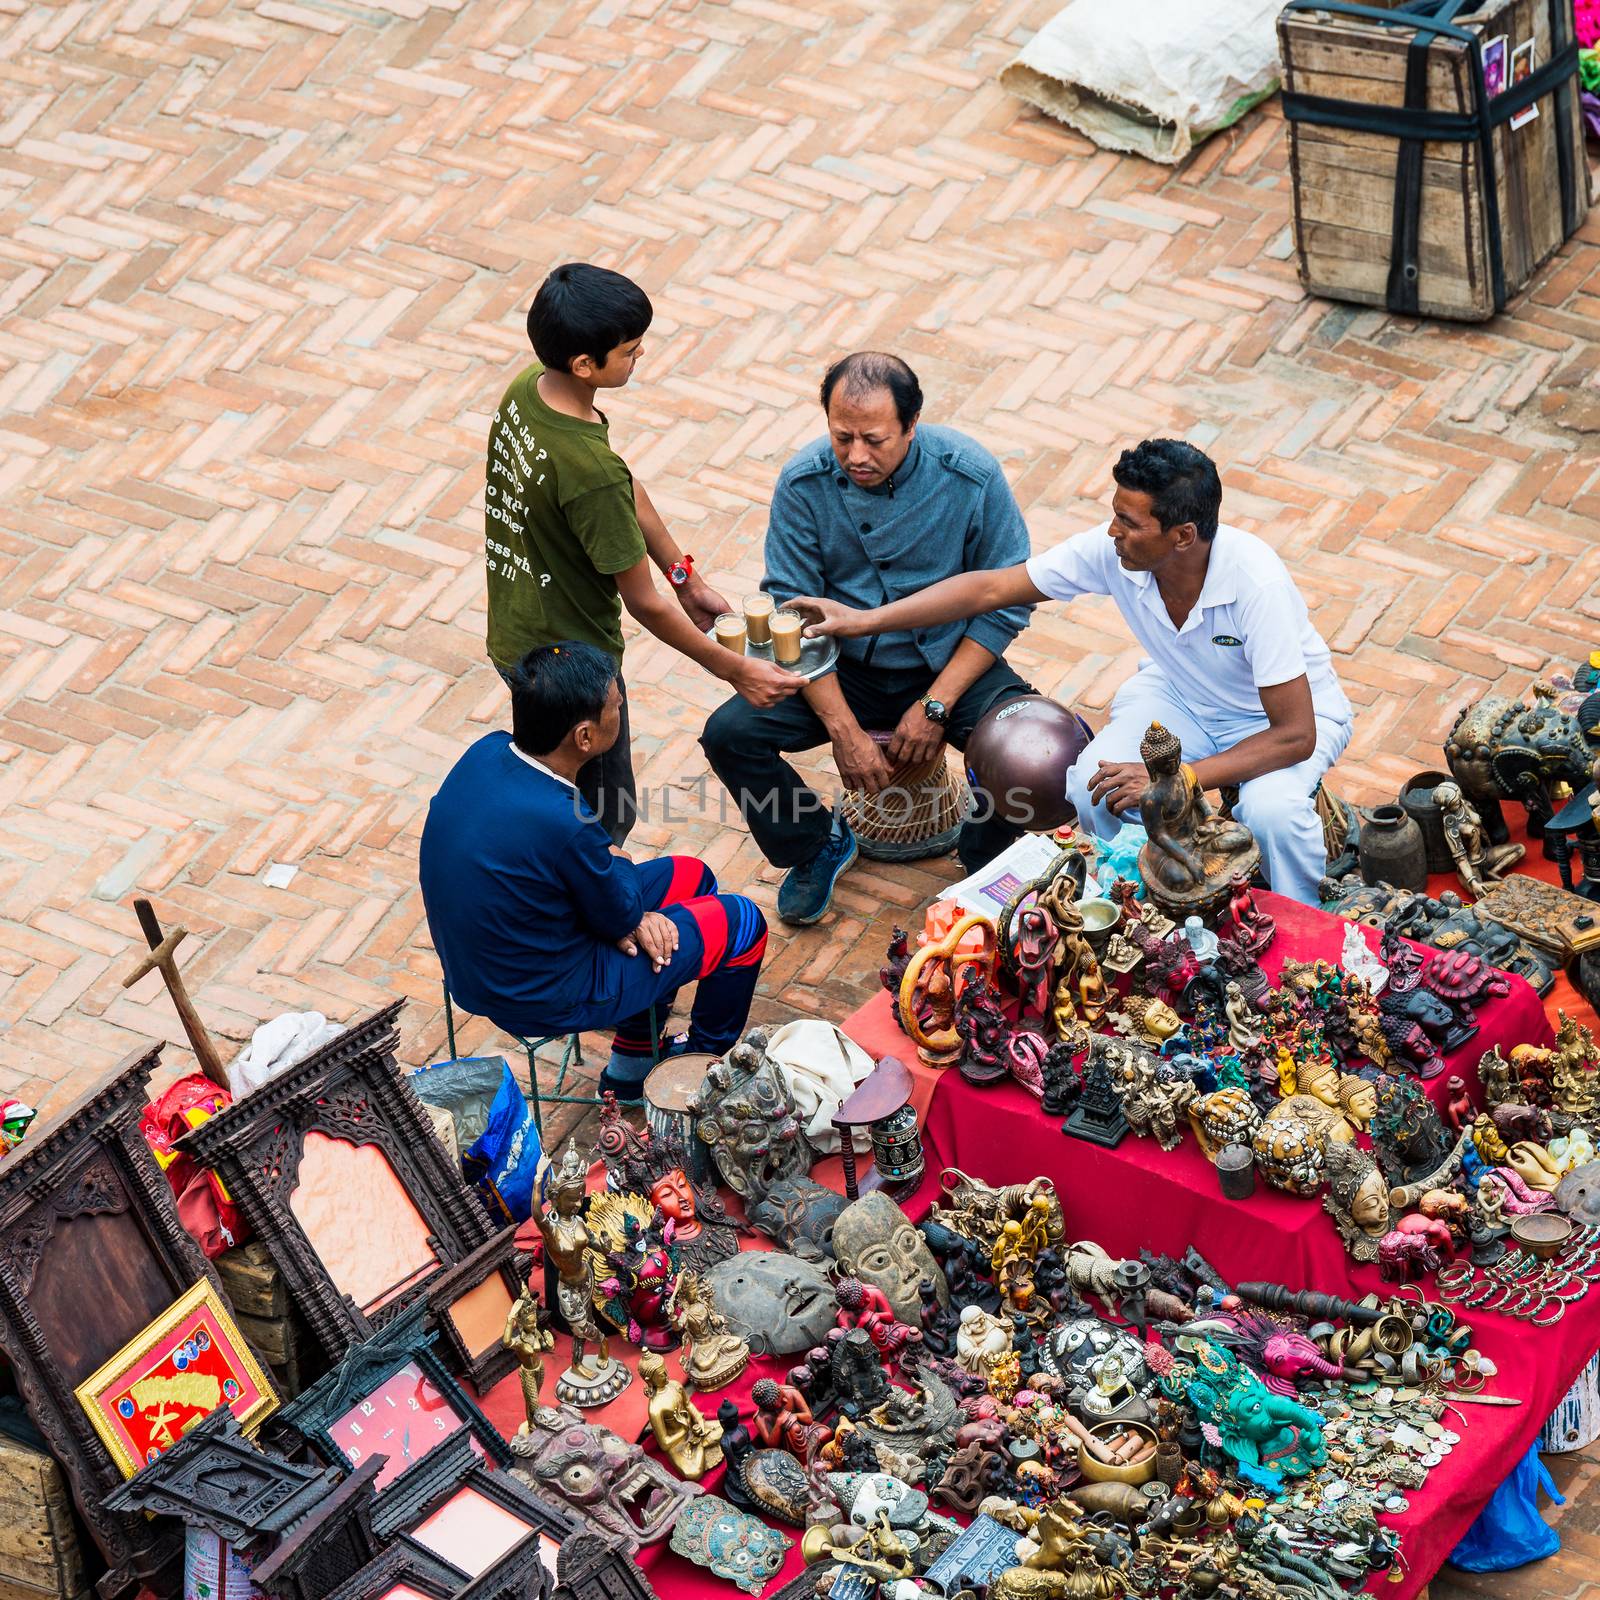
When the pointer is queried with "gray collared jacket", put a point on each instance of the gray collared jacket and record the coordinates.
(948, 509)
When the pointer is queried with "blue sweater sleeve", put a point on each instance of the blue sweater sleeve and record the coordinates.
(604, 888)
(998, 539)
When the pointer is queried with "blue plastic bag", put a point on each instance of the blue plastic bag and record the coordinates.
(1509, 1531)
(504, 1159)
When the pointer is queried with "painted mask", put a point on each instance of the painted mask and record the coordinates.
(674, 1198)
(733, 1545)
(873, 1240)
(778, 1304)
(745, 1113)
(797, 1209)
(625, 1493)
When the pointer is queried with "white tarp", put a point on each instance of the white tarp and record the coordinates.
(1153, 77)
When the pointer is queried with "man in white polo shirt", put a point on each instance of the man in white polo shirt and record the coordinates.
(1233, 664)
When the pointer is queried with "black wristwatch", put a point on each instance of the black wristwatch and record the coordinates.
(934, 710)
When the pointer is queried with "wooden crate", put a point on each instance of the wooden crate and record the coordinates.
(40, 1558)
(276, 1332)
(1345, 180)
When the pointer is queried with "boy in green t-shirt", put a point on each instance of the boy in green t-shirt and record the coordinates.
(570, 536)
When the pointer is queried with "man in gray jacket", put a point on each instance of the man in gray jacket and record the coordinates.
(879, 509)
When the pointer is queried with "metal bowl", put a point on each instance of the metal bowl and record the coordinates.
(1541, 1234)
(1098, 1471)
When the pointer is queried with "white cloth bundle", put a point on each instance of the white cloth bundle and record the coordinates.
(275, 1047)
(822, 1068)
(1153, 77)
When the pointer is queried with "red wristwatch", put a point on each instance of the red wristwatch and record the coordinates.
(681, 571)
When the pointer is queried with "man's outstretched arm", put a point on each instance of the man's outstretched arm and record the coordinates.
(968, 594)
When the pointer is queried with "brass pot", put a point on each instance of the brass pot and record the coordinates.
(1136, 1472)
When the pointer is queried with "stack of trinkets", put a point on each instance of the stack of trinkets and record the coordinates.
(1314, 1084)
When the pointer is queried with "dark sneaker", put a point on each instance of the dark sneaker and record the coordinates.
(629, 1091)
(620, 1074)
(807, 891)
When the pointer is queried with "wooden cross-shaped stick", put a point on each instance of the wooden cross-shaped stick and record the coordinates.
(163, 959)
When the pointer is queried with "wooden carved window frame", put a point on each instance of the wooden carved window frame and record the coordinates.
(351, 1090)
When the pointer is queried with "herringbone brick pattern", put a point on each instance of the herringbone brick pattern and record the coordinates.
(263, 269)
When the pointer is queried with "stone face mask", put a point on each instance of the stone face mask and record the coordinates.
(873, 1240)
(778, 1304)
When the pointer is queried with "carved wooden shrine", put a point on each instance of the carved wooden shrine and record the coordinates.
(337, 1168)
(391, 1396)
(87, 1221)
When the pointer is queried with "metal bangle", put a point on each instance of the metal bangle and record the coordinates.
(1534, 1322)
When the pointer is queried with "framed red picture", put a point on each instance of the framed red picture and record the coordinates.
(176, 1371)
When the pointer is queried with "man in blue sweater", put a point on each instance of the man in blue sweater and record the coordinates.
(878, 510)
(539, 925)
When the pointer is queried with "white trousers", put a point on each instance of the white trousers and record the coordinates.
(1279, 808)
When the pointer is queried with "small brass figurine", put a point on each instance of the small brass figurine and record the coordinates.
(527, 1339)
(567, 1243)
(712, 1356)
(1478, 862)
(690, 1439)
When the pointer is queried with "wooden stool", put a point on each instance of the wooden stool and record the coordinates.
(918, 815)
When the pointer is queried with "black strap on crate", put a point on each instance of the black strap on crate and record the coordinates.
(1413, 124)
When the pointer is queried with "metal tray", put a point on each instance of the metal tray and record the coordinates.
(817, 656)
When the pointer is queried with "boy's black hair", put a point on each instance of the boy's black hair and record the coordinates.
(1182, 483)
(553, 689)
(868, 370)
(582, 310)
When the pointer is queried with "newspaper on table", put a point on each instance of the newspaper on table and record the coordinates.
(988, 889)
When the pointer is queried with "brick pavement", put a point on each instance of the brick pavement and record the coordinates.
(262, 276)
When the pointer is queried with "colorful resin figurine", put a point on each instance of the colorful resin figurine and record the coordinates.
(934, 979)
(528, 1339)
(1252, 927)
(568, 1247)
(1192, 855)
(862, 1306)
(635, 1269)
(982, 1029)
(691, 1441)
(1268, 1437)
(783, 1420)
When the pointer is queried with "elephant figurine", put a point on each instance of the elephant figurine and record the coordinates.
(1501, 749)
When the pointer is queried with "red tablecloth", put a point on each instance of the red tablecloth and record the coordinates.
(1141, 1196)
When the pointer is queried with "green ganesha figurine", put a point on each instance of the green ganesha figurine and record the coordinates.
(1270, 1438)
